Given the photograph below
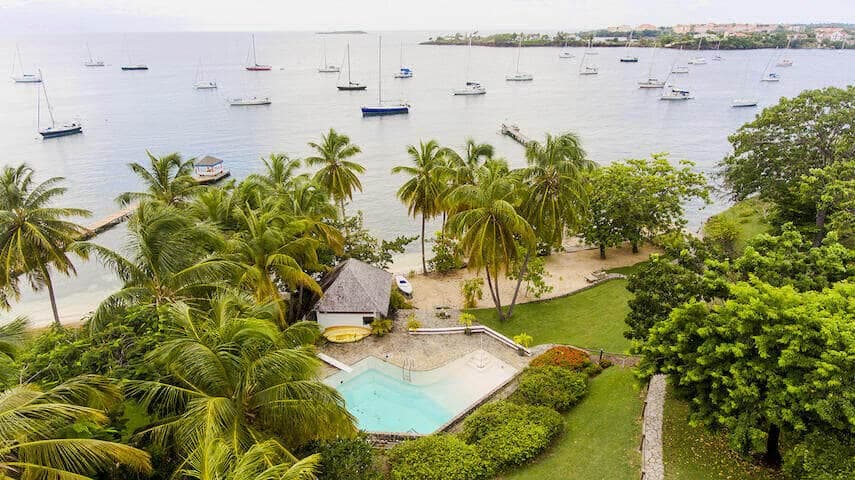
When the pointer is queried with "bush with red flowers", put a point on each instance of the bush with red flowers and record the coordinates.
(566, 357)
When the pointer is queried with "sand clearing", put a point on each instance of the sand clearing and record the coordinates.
(567, 273)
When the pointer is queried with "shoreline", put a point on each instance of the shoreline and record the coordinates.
(463, 43)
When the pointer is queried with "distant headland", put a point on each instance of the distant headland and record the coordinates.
(732, 36)
(342, 32)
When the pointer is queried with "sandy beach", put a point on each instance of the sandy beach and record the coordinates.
(566, 271)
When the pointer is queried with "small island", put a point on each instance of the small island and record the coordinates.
(343, 32)
(713, 36)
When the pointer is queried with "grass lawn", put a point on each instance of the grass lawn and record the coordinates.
(696, 454)
(601, 435)
(748, 218)
(628, 269)
(592, 318)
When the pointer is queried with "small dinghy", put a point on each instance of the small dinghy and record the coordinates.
(403, 285)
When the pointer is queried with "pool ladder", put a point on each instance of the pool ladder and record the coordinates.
(407, 369)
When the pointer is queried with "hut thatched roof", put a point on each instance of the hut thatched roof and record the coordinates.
(356, 287)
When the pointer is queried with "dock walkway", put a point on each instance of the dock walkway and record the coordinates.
(107, 222)
(515, 133)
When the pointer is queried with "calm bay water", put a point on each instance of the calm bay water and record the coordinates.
(125, 113)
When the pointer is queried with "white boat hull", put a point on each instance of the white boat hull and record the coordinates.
(519, 77)
(244, 102)
(680, 70)
(698, 61)
(651, 83)
(744, 102)
(403, 285)
(472, 88)
(566, 55)
(205, 85)
(329, 69)
(27, 78)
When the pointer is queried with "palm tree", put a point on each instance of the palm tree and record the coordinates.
(423, 191)
(555, 197)
(12, 336)
(337, 175)
(232, 376)
(266, 460)
(30, 418)
(169, 261)
(279, 173)
(35, 237)
(488, 226)
(272, 250)
(168, 180)
(465, 165)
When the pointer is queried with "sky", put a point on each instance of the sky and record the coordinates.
(82, 16)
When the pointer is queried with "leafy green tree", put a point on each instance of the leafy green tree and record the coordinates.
(422, 193)
(338, 175)
(640, 199)
(35, 237)
(832, 190)
(279, 173)
(30, 420)
(769, 358)
(12, 335)
(488, 226)
(772, 153)
(233, 378)
(361, 245)
(168, 180)
(446, 254)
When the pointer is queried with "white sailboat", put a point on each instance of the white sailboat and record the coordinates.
(651, 82)
(679, 69)
(769, 75)
(249, 101)
(519, 76)
(471, 87)
(564, 53)
(784, 61)
(350, 85)
(201, 83)
(131, 66)
(674, 93)
(53, 130)
(327, 67)
(383, 109)
(403, 70)
(717, 57)
(745, 100)
(698, 59)
(252, 62)
(92, 62)
(23, 76)
(584, 68)
(627, 58)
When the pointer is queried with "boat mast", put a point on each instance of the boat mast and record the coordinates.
(519, 51)
(47, 100)
(652, 61)
(325, 53)
(468, 58)
(401, 60)
(254, 60)
(90, 52)
(379, 70)
(348, 65)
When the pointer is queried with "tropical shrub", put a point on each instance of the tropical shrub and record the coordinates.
(381, 326)
(472, 291)
(397, 301)
(446, 254)
(534, 276)
(565, 357)
(822, 457)
(553, 387)
(508, 434)
(523, 339)
(437, 457)
(346, 459)
(413, 323)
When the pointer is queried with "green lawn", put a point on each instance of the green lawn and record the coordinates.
(601, 435)
(748, 217)
(696, 454)
(593, 318)
(628, 269)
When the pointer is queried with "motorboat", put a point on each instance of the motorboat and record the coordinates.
(771, 77)
(675, 93)
(404, 72)
(403, 285)
(471, 88)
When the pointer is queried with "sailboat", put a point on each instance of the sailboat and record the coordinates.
(651, 82)
(679, 69)
(585, 69)
(784, 61)
(54, 130)
(252, 62)
(768, 75)
(92, 62)
(629, 58)
(327, 67)
(519, 76)
(471, 88)
(717, 57)
(403, 71)
(131, 65)
(249, 101)
(745, 101)
(381, 109)
(23, 77)
(201, 83)
(566, 53)
(698, 59)
(350, 85)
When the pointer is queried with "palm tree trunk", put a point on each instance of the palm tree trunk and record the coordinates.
(494, 293)
(343, 218)
(49, 285)
(424, 267)
(522, 271)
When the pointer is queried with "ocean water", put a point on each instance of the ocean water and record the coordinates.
(125, 113)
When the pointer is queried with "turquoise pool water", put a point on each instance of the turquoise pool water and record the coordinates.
(376, 393)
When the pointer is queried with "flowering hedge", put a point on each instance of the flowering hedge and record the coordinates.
(565, 357)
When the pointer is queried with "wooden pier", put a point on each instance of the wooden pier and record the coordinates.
(515, 133)
(209, 179)
(107, 222)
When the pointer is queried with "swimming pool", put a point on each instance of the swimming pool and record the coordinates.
(382, 400)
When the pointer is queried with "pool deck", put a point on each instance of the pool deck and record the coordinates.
(425, 352)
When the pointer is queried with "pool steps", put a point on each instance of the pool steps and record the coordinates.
(474, 329)
(335, 363)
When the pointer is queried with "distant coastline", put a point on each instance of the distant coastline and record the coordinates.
(342, 32)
